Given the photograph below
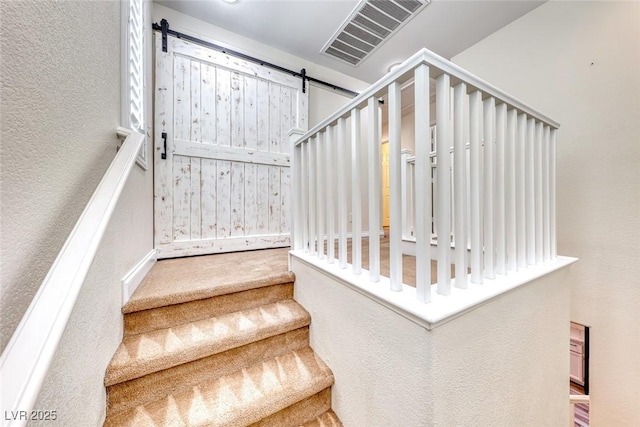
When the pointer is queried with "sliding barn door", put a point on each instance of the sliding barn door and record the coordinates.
(222, 154)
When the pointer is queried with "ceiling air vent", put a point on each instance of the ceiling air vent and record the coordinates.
(370, 24)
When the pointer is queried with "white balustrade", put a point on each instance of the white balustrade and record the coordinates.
(487, 205)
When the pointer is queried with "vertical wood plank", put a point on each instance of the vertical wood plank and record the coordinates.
(395, 187)
(250, 113)
(208, 103)
(356, 197)
(320, 190)
(422, 184)
(538, 192)
(196, 103)
(460, 130)
(164, 122)
(181, 198)
(274, 200)
(262, 199)
(237, 199)
(237, 110)
(521, 224)
(443, 171)
(182, 98)
(342, 194)
(475, 208)
(223, 202)
(330, 183)
(375, 187)
(285, 117)
(510, 191)
(208, 204)
(250, 199)
(546, 235)
(489, 182)
(274, 118)
(223, 107)
(500, 205)
(262, 97)
(195, 193)
(530, 208)
(552, 195)
(285, 200)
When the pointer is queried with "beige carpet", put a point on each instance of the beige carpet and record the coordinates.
(218, 341)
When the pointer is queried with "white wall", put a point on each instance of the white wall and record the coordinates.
(60, 67)
(579, 63)
(502, 364)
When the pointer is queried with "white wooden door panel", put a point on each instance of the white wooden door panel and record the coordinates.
(224, 185)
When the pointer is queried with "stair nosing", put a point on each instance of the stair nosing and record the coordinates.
(117, 373)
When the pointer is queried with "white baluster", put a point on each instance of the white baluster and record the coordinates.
(460, 130)
(304, 199)
(475, 208)
(320, 200)
(521, 224)
(443, 202)
(552, 194)
(538, 191)
(546, 242)
(329, 167)
(313, 188)
(395, 208)
(422, 182)
(530, 193)
(489, 181)
(356, 209)
(406, 190)
(510, 191)
(375, 189)
(342, 194)
(500, 205)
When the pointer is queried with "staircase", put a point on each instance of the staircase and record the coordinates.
(217, 341)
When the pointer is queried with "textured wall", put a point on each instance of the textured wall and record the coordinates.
(503, 364)
(60, 107)
(579, 62)
(60, 67)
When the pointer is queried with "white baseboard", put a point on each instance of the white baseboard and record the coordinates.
(134, 277)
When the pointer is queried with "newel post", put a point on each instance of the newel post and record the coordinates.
(296, 189)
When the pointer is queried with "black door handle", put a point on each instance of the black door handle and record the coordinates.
(164, 155)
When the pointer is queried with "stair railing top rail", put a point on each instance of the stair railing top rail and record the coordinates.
(437, 65)
(28, 355)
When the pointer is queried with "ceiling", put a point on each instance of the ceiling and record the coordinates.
(302, 27)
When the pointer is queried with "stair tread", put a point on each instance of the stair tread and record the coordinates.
(240, 398)
(327, 419)
(179, 280)
(142, 354)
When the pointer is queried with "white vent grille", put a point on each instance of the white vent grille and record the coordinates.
(370, 24)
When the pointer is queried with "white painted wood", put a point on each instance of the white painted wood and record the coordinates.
(475, 207)
(488, 191)
(330, 185)
(552, 195)
(407, 187)
(422, 183)
(395, 187)
(296, 191)
(530, 208)
(304, 199)
(227, 168)
(538, 192)
(443, 201)
(227, 244)
(356, 197)
(521, 228)
(342, 193)
(546, 192)
(313, 201)
(499, 205)
(510, 191)
(133, 278)
(375, 188)
(320, 192)
(460, 130)
(26, 359)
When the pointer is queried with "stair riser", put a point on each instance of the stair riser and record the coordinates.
(177, 314)
(299, 413)
(123, 396)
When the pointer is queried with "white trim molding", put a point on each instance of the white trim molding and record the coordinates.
(28, 355)
(134, 277)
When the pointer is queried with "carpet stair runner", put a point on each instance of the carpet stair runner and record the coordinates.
(230, 355)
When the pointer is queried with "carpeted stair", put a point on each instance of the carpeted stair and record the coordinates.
(231, 353)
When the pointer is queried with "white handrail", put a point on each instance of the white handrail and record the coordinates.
(28, 355)
(573, 400)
